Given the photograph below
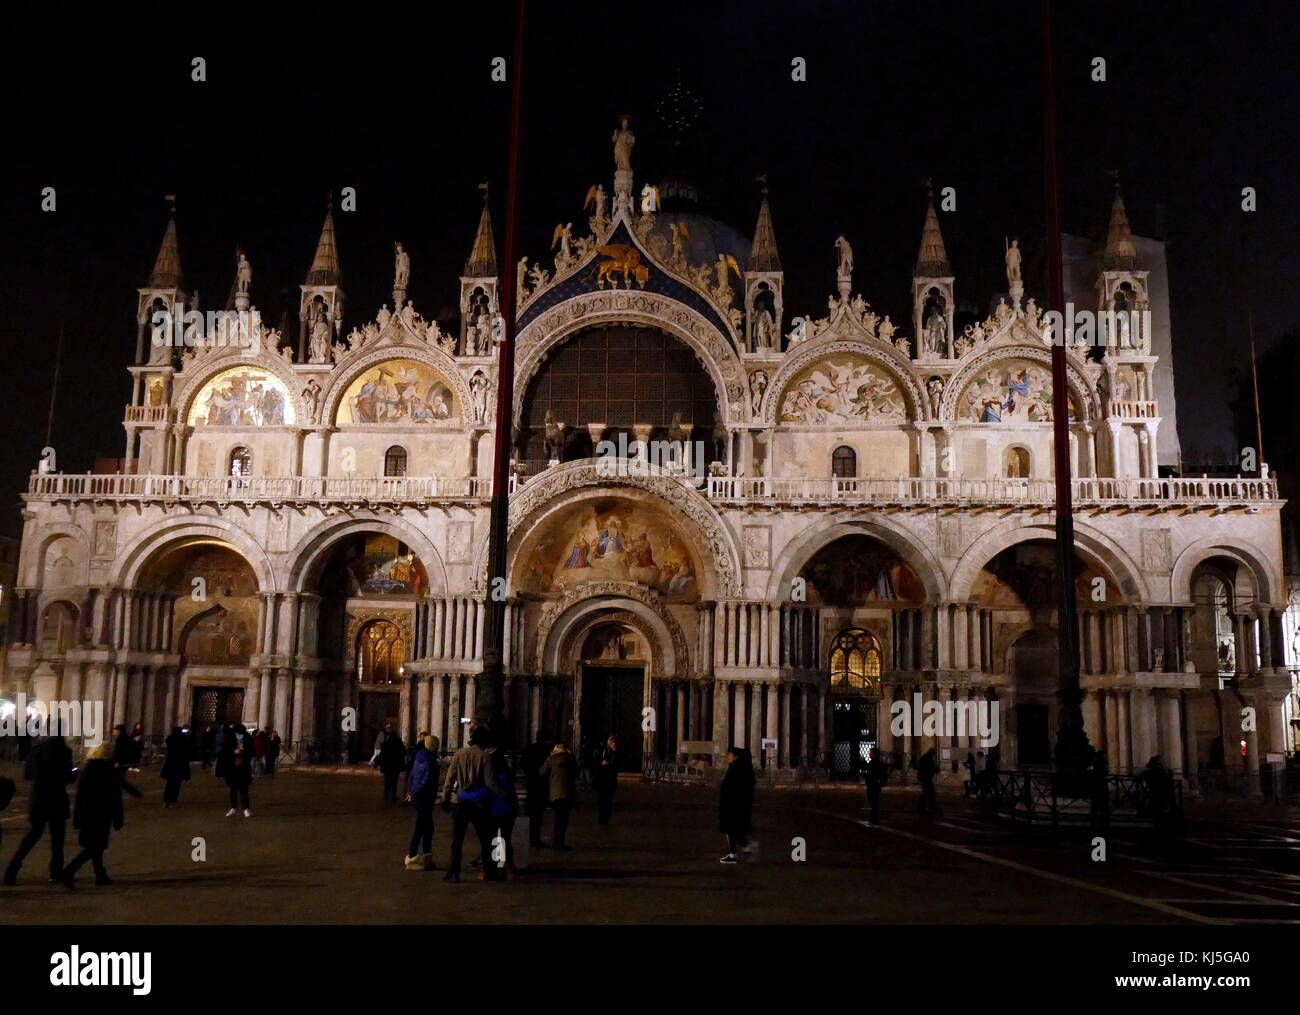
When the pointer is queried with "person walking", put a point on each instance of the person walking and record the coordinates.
(176, 767)
(561, 775)
(208, 745)
(605, 759)
(236, 767)
(98, 808)
(503, 811)
(926, 769)
(124, 756)
(422, 794)
(391, 761)
(273, 745)
(535, 786)
(49, 769)
(470, 777)
(875, 774)
(736, 804)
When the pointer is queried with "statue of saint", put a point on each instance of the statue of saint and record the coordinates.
(402, 268)
(244, 274)
(935, 388)
(623, 140)
(320, 340)
(936, 334)
(846, 257)
(758, 385)
(1013, 262)
(764, 327)
(311, 396)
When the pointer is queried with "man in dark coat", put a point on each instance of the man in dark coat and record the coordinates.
(391, 761)
(235, 766)
(736, 805)
(875, 775)
(99, 808)
(124, 756)
(535, 805)
(561, 776)
(605, 759)
(49, 769)
(176, 766)
(272, 752)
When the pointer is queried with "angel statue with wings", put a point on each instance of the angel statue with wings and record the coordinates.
(725, 262)
(596, 196)
(561, 238)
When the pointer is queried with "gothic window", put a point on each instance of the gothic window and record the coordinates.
(380, 653)
(241, 462)
(844, 463)
(1017, 463)
(855, 662)
(395, 461)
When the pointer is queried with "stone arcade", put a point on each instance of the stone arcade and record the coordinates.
(301, 526)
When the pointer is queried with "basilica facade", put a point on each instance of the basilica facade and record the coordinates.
(848, 511)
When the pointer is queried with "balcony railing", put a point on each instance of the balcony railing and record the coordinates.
(1135, 410)
(345, 489)
(147, 413)
(929, 490)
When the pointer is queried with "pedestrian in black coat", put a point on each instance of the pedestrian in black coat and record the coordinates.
(272, 752)
(124, 756)
(605, 761)
(176, 766)
(535, 755)
(236, 768)
(392, 762)
(736, 807)
(926, 769)
(99, 808)
(875, 775)
(49, 769)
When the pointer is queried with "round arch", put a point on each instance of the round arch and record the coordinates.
(563, 620)
(36, 558)
(207, 367)
(808, 353)
(312, 549)
(1087, 540)
(160, 539)
(353, 366)
(1080, 387)
(798, 552)
(653, 310)
(699, 524)
(1266, 583)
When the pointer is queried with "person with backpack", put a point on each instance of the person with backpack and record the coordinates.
(98, 808)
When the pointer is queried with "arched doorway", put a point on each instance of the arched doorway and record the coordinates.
(612, 693)
(379, 657)
(856, 664)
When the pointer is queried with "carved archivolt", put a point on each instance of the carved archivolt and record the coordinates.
(807, 353)
(1080, 386)
(624, 306)
(557, 608)
(705, 524)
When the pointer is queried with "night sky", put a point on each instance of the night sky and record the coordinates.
(1198, 103)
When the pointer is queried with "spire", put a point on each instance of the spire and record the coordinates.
(166, 272)
(1120, 253)
(325, 265)
(932, 261)
(762, 254)
(482, 261)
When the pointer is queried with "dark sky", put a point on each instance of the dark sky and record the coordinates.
(1198, 103)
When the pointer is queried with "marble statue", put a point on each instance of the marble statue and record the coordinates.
(596, 196)
(758, 385)
(764, 328)
(552, 436)
(563, 233)
(846, 257)
(887, 329)
(244, 274)
(935, 389)
(319, 346)
(1013, 262)
(624, 140)
(936, 334)
(401, 268)
(311, 398)
(480, 391)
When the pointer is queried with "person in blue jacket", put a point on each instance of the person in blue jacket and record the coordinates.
(422, 793)
(503, 806)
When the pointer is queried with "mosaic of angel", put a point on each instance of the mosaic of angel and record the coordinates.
(845, 391)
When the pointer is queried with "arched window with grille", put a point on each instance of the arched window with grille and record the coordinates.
(855, 662)
(395, 461)
(844, 463)
(380, 653)
(241, 462)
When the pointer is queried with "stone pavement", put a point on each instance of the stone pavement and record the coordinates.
(321, 848)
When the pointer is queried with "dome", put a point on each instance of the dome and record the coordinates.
(708, 237)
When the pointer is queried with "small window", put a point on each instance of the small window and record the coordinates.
(844, 463)
(856, 662)
(241, 462)
(395, 461)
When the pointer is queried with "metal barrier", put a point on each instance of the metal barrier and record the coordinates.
(1089, 799)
